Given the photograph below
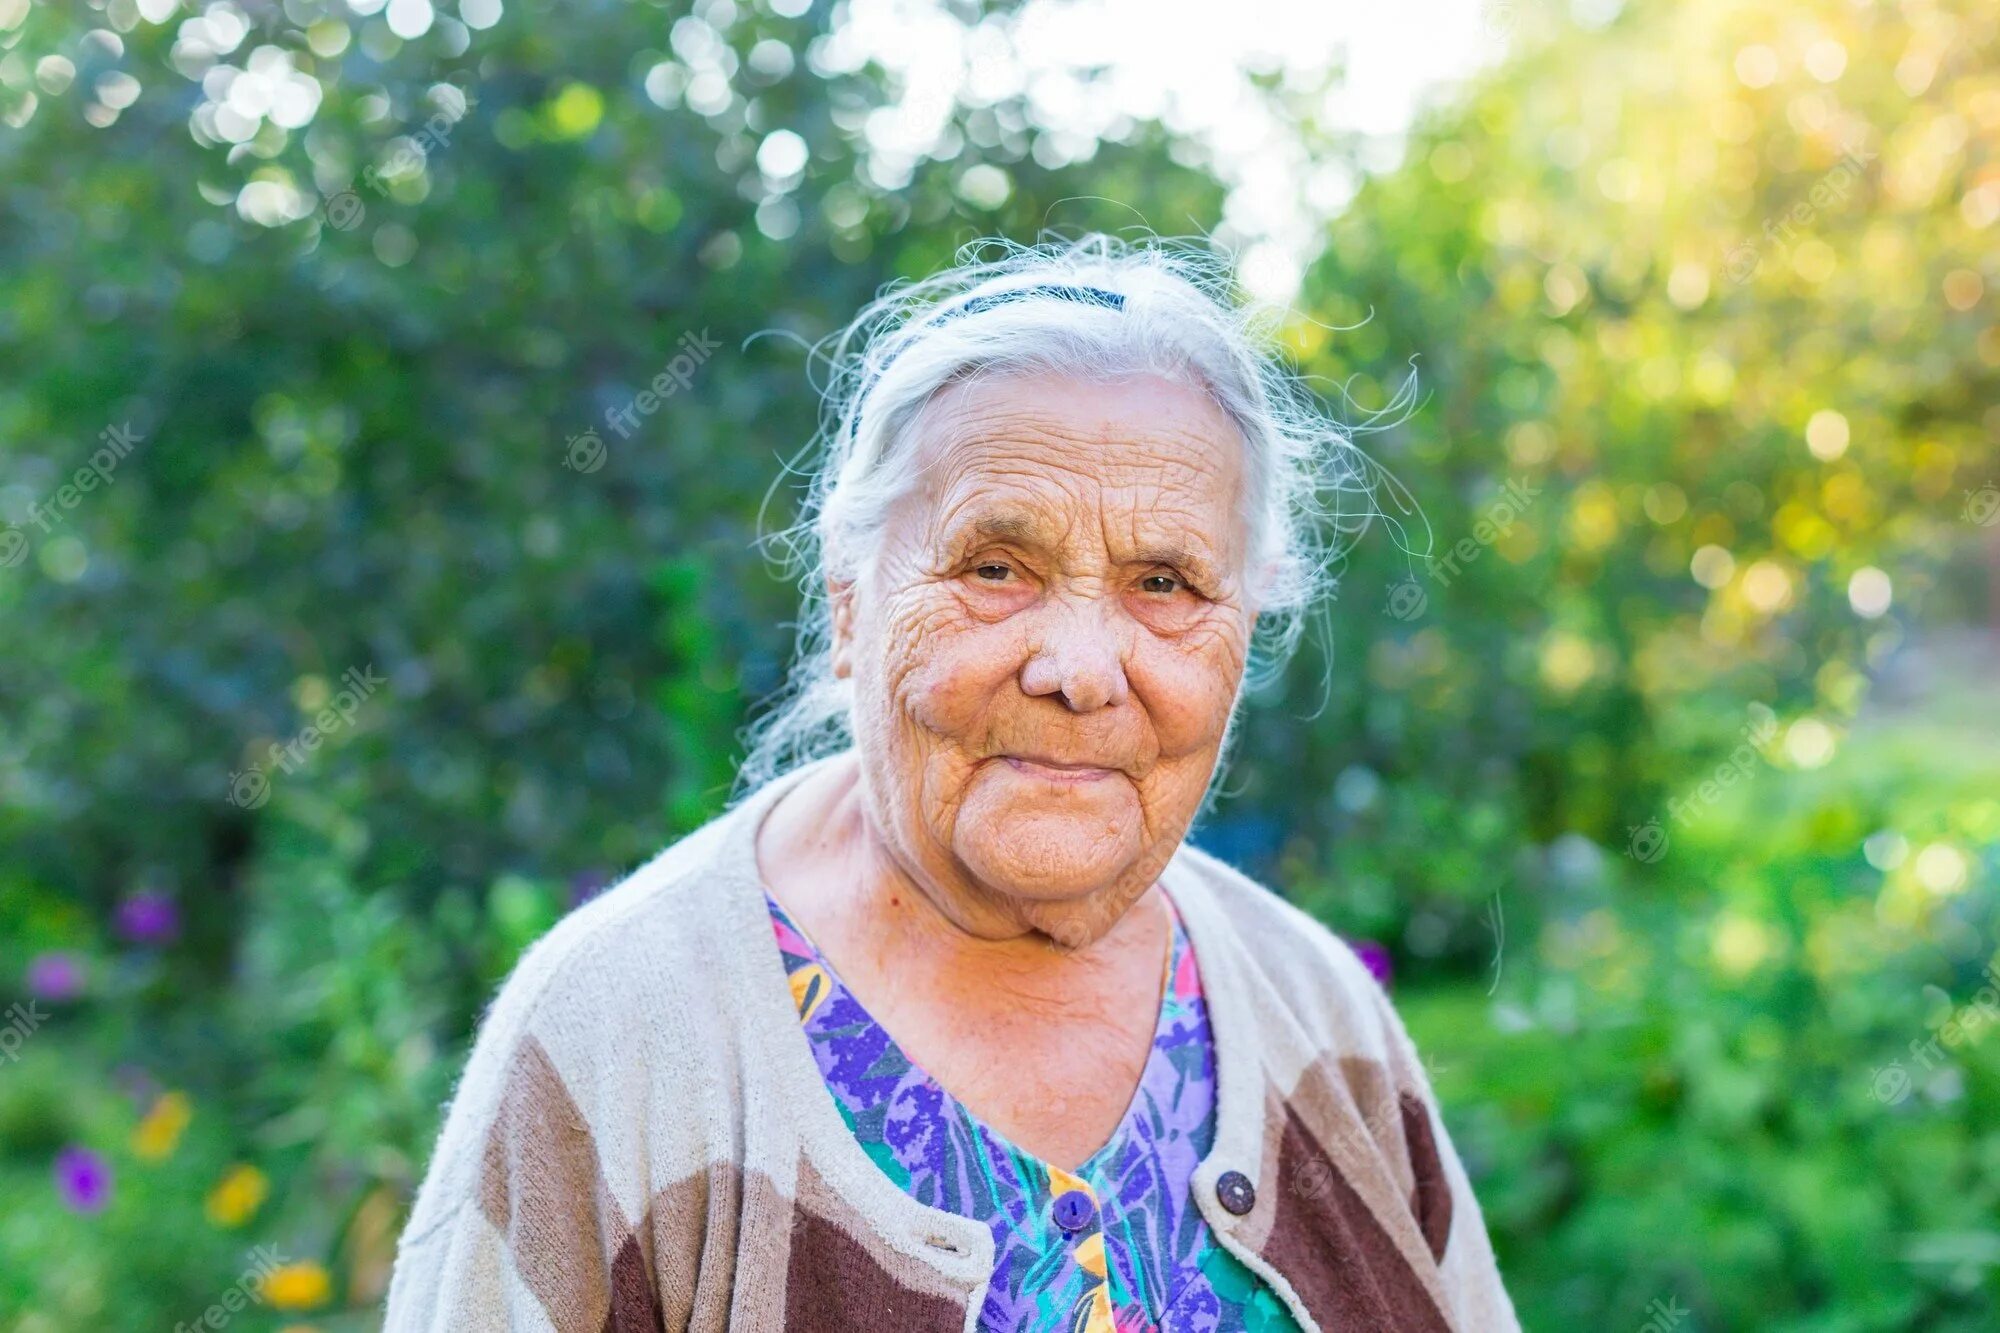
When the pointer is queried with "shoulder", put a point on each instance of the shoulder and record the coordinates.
(1295, 963)
(617, 1002)
(1286, 940)
(609, 1016)
(613, 995)
(638, 944)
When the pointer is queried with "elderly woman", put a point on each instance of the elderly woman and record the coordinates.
(943, 1025)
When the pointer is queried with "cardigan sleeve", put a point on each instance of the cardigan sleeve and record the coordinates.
(1447, 1211)
(453, 1268)
(514, 1227)
(450, 1279)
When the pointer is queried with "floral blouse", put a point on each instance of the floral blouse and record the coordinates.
(1115, 1247)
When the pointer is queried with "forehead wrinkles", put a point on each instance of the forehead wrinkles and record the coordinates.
(1142, 476)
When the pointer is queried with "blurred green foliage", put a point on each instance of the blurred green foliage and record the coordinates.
(1709, 285)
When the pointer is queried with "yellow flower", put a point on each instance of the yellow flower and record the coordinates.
(156, 1135)
(237, 1195)
(299, 1286)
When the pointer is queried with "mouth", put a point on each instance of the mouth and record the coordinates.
(1054, 770)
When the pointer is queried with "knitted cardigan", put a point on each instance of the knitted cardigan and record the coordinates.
(641, 1139)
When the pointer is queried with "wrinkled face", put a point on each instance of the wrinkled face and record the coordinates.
(1047, 645)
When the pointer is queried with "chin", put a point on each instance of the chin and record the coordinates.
(1053, 845)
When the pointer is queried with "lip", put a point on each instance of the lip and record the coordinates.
(1053, 770)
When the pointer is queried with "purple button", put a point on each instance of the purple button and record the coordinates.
(1073, 1209)
(1235, 1191)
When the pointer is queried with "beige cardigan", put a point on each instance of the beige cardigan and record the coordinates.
(641, 1139)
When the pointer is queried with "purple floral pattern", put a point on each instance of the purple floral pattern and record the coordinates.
(1145, 1259)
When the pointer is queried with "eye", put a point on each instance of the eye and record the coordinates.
(992, 573)
(1161, 583)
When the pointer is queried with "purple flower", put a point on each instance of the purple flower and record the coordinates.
(585, 885)
(83, 1179)
(1375, 958)
(55, 976)
(149, 917)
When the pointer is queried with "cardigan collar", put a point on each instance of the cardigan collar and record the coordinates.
(958, 1248)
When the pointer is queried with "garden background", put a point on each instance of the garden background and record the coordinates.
(1672, 800)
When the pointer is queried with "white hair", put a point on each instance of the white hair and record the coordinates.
(1099, 308)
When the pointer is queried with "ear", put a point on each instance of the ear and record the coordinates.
(840, 599)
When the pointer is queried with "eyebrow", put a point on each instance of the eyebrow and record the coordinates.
(1006, 528)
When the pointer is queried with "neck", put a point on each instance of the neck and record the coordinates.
(856, 895)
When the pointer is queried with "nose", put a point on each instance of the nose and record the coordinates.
(1079, 658)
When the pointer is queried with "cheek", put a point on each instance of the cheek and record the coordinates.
(1189, 686)
(942, 667)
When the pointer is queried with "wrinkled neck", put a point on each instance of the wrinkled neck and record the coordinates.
(856, 893)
